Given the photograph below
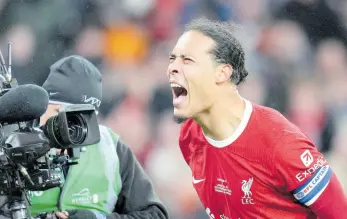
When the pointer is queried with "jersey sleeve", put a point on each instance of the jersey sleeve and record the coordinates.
(302, 169)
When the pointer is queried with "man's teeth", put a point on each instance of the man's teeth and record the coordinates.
(175, 85)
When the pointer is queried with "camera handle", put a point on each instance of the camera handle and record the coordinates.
(19, 210)
(18, 207)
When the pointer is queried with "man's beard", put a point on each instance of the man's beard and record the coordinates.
(179, 119)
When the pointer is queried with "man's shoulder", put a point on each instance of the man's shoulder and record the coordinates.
(187, 125)
(189, 130)
(273, 133)
(270, 116)
(190, 136)
(273, 124)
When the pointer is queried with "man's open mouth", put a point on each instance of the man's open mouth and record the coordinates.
(179, 94)
(178, 90)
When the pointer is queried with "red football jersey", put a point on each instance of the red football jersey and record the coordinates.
(267, 169)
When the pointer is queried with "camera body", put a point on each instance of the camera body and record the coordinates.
(25, 146)
(25, 162)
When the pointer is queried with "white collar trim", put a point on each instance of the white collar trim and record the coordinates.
(239, 130)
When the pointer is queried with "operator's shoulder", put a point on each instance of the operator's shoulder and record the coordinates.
(105, 129)
(107, 134)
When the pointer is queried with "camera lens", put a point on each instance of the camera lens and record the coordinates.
(77, 128)
(60, 137)
(51, 131)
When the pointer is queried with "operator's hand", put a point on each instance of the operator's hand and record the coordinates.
(76, 214)
(62, 215)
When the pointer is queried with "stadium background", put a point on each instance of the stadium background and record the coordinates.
(296, 55)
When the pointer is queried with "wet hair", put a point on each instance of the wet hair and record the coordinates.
(227, 49)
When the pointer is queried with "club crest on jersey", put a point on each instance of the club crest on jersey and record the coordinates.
(246, 188)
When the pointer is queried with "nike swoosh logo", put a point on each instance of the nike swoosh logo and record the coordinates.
(196, 181)
(53, 93)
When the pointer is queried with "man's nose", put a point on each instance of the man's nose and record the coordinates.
(174, 67)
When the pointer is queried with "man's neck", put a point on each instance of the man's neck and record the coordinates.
(222, 119)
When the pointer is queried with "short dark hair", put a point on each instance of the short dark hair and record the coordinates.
(227, 50)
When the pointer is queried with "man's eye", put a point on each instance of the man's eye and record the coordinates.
(171, 59)
(187, 60)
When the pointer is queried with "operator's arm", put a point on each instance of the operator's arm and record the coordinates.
(309, 178)
(137, 199)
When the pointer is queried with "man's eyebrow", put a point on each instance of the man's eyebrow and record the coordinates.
(181, 56)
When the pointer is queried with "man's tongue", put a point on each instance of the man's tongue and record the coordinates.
(179, 100)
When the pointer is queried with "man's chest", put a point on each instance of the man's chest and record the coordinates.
(229, 185)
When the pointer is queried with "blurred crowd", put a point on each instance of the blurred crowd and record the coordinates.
(295, 53)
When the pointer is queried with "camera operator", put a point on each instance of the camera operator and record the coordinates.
(108, 181)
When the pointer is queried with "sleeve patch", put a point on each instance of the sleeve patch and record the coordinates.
(310, 191)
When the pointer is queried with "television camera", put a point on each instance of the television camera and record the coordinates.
(25, 162)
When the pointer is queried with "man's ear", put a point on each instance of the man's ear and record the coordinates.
(223, 73)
